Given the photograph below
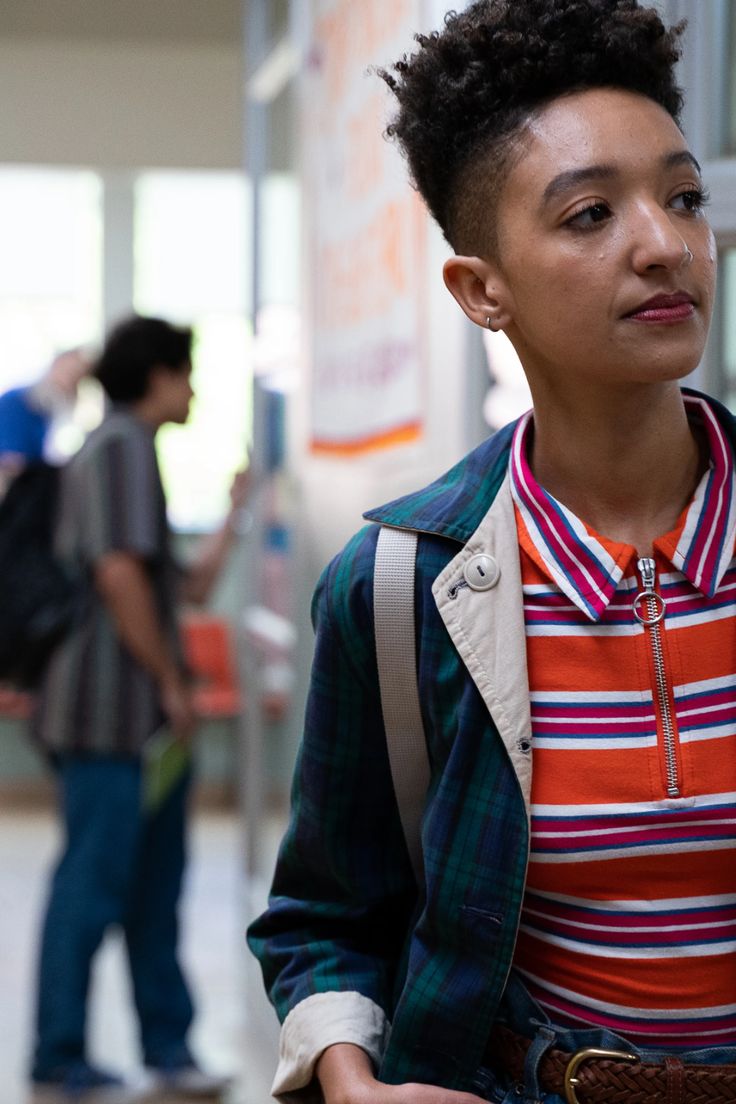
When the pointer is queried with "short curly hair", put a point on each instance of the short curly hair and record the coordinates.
(467, 93)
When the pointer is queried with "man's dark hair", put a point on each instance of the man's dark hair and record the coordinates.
(134, 348)
(466, 94)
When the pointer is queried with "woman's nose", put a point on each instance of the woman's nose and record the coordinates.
(657, 243)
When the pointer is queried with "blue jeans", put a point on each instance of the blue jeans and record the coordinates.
(521, 1013)
(119, 866)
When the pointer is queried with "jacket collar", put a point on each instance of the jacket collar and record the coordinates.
(455, 504)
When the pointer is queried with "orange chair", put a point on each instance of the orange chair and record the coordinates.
(210, 653)
(15, 704)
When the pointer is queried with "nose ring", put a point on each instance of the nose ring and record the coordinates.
(687, 258)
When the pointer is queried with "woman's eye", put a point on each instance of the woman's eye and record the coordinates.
(590, 216)
(693, 200)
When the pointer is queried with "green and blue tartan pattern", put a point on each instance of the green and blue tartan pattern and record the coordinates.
(344, 912)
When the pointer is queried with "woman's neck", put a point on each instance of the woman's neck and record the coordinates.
(625, 461)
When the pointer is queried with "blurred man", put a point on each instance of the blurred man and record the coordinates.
(27, 413)
(110, 687)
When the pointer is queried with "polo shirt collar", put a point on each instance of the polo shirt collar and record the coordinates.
(588, 568)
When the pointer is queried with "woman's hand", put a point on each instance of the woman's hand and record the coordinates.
(410, 1093)
(346, 1076)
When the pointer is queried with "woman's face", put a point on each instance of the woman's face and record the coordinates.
(593, 283)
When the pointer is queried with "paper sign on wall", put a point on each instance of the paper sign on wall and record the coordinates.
(366, 232)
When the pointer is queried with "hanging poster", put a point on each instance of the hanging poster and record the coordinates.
(366, 232)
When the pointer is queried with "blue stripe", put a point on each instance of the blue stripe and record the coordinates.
(723, 691)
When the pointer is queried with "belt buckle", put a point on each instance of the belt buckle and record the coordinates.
(588, 1054)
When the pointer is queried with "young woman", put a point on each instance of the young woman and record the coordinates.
(579, 697)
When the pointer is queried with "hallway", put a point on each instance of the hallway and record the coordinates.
(224, 1038)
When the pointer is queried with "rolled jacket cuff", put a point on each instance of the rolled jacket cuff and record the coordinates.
(317, 1023)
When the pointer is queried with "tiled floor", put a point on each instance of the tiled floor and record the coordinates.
(234, 1032)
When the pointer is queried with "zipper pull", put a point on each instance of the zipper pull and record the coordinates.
(654, 604)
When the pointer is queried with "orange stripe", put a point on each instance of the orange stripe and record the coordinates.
(402, 435)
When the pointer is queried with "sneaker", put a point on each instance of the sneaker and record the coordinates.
(183, 1083)
(81, 1083)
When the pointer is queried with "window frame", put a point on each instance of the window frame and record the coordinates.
(706, 122)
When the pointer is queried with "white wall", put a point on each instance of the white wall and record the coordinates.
(117, 103)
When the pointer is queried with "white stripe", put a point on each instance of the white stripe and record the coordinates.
(593, 628)
(676, 847)
(696, 950)
(625, 1010)
(702, 801)
(712, 733)
(705, 685)
(595, 697)
(702, 617)
(603, 743)
(528, 608)
(665, 904)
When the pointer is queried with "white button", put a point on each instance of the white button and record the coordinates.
(481, 572)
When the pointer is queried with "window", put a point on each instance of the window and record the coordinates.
(191, 266)
(728, 300)
(731, 103)
(50, 277)
(50, 281)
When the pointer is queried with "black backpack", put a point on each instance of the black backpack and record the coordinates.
(39, 598)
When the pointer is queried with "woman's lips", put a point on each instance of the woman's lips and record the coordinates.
(664, 308)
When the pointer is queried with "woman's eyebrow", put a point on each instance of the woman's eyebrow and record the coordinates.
(574, 177)
(681, 157)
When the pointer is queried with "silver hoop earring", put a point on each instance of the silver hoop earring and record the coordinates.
(490, 325)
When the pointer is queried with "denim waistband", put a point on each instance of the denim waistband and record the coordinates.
(522, 1014)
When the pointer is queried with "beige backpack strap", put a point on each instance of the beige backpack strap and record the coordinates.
(393, 599)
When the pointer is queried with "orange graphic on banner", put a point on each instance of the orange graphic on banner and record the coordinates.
(352, 34)
(403, 435)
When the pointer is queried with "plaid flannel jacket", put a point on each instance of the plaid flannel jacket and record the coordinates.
(345, 914)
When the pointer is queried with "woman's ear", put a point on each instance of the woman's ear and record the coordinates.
(479, 290)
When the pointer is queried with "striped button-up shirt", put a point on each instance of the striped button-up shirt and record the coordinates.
(96, 697)
(629, 918)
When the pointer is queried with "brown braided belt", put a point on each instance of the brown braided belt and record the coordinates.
(614, 1077)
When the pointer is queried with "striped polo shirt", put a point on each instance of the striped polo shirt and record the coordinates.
(629, 915)
(95, 697)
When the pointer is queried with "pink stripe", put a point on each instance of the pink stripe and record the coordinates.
(651, 1032)
(597, 729)
(634, 820)
(558, 538)
(594, 713)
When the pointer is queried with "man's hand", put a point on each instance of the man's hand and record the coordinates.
(241, 488)
(346, 1076)
(177, 704)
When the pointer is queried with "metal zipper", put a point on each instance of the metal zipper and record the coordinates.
(649, 610)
